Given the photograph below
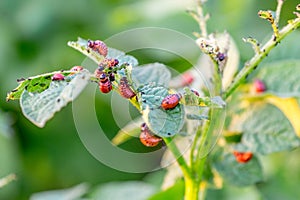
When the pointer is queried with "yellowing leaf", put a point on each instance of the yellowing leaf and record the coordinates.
(290, 108)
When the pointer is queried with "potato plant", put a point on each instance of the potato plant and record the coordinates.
(238, 115)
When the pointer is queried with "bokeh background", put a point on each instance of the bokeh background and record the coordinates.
(33, 37)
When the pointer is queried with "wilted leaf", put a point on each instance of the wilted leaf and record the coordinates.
(40, 107)
(151, 73)
(66, 194)
(235, 173)
(81, 46)
(164, 123)
(130, 190)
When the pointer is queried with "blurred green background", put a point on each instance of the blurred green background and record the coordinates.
(33, 37)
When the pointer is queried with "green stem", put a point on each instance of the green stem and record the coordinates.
(194, 145)
(252, 63)
(191, 189)
(179, 157)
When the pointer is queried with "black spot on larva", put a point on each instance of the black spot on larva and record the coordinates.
(26, 87)
(169, 133)
(58, 100)
(88, 50)
(142, 92)
(14, 90)
(144, 101)
(47, 77)
(35, 84)
(255, 67)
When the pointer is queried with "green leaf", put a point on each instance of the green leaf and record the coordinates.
(164, 123)
(122, 58)
(266, 130)
(176, 192)
(151, 73)
(282, 77)
(37, 83)
(40, 107)
(81, 46)
(72, 193)
(130, 190)
(235, 173)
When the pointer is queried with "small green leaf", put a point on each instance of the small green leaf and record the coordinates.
(130, 190)
(71, 193)
(266, 130)
(164, 123)
(40, 107)
(37, 83)
(151, 73)
(235, 173)
(81, 46)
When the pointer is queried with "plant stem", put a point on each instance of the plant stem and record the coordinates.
(258, 57)
(178, 156)
(201, 18)
(191, 189)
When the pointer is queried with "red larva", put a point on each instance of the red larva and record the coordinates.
(259, 86)
(170, 101)
(125, 89)
(242, 157)
(105, 85)
(147, 138)
(76, 69)
(187, 79)
(98, 46)
(58, 77)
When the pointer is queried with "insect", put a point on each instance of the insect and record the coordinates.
(221, 56)
(111, 77)
(125, 89)
(105, 85)
(170, 101)
(147, 138)
(58, 77)
(259, 86)
(98, 46)
(242, 157)
(76, 68)
(195, 92)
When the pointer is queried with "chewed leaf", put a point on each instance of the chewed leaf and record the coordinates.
(81, 45)
(151, 73)
(122, 58)
(164, 123)
(40, 107)
(37, 83)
